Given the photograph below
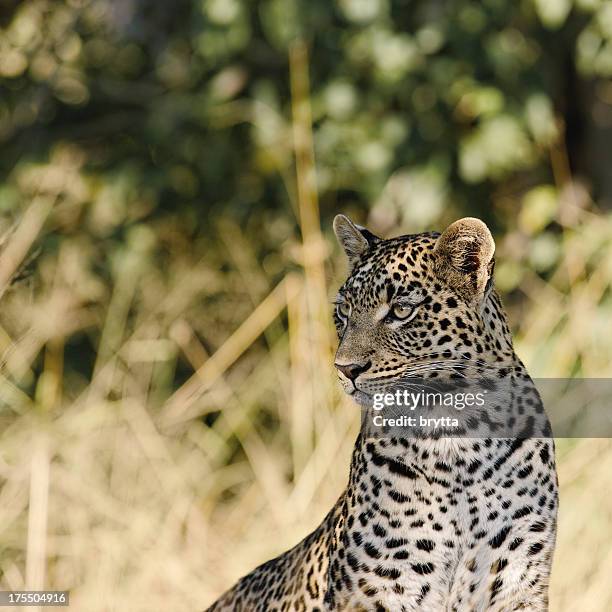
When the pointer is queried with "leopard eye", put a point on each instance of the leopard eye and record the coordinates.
(401, 312)
(344, 310)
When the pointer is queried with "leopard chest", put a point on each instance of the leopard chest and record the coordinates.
(412, 519)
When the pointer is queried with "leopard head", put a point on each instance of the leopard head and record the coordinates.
(419, 305)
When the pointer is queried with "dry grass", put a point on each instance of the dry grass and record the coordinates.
(122, 494)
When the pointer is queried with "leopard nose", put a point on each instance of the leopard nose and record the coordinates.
(353, 370)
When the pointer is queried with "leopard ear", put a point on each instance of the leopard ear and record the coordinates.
(354, 239)
(464, 257)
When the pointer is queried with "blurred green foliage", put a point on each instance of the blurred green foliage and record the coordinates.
(185, 106)
(149, 124)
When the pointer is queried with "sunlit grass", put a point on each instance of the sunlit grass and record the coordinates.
(115, 488)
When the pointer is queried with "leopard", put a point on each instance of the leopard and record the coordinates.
(446, 522)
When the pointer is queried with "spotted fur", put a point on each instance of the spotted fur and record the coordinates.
(451, 524)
